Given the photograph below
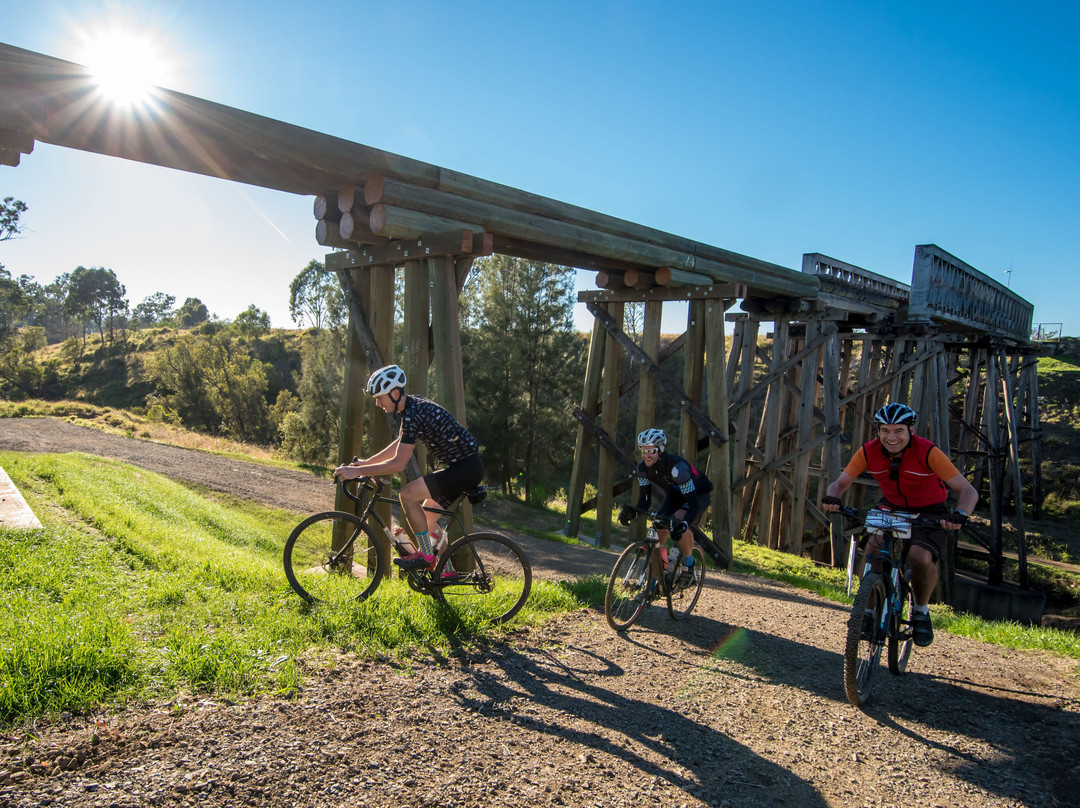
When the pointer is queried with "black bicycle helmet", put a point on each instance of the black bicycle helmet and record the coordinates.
(895, 413)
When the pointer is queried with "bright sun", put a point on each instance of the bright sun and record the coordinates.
(126, 65)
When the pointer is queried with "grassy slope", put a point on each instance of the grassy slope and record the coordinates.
(139, 588)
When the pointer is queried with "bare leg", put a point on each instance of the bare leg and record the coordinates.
(924, 573)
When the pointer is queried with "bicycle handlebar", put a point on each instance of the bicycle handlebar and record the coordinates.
(915, 520)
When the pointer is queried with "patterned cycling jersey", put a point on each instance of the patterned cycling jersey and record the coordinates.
(424, 420)
(674, 476)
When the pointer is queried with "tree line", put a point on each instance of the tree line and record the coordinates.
(523, 360)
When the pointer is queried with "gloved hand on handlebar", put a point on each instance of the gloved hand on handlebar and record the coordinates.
(956, 518)
(830, 503)
(626, 515)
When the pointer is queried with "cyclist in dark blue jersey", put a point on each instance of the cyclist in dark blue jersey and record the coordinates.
(445, 438)
(687, 494)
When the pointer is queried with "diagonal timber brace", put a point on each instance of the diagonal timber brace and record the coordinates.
(371, 351)
(641, 359)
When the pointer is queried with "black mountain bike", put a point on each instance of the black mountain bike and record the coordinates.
(881, 614)
(337, 556)
(642, 574)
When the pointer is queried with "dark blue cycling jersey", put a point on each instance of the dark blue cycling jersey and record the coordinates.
(681, 483)
(424, 420)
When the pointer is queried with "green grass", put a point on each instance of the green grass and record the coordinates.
(138, 588)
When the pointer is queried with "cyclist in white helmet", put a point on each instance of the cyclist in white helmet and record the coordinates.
(913, 475)
(445, 438)
(687, 494)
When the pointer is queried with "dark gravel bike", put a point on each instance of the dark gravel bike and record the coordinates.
(337, 556)
(881, 614)
(642, 574)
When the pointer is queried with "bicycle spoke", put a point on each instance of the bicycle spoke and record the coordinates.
(486, 576)
(331, 557)
(629, 587)
(684, 595)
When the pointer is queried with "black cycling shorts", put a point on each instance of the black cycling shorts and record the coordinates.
(445, 484)
(934, 539)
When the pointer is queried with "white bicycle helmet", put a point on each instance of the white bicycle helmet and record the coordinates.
(384, 380)
(652, 437)
(894, 413)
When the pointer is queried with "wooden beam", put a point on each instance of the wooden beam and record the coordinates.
(677, 278)
(13, 140)
(719, 465)
(403, 223)
(711, 292)
(590, 406)
(665, 381)
(454, 242)
(609, 420)
(355, 226)
(328, 235)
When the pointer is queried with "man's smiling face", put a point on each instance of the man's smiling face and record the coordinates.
(894, 437)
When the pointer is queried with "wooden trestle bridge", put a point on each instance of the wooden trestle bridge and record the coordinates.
(772, 395)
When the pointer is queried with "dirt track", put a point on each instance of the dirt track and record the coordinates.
(740, 705)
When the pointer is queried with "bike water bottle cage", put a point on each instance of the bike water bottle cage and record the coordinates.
(896, 522)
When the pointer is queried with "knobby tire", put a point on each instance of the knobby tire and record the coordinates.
(862, 651)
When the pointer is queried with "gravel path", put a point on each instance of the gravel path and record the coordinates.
(740, 705)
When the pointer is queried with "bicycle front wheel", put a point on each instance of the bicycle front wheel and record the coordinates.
(484, 574)
(865, 638)
(333, 556)
(628, 587)
(901, 638)
(683, 594)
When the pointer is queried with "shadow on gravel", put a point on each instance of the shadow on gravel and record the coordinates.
(655, 741)
(1033, 743)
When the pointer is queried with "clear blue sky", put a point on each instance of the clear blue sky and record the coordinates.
(855, 129)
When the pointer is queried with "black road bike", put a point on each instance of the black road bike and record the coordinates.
(881, 614)
(642, 574)
(337, 556)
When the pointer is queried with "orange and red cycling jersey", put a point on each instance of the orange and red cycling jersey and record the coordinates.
(915, 479)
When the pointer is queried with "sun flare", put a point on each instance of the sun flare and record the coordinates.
(126, 65)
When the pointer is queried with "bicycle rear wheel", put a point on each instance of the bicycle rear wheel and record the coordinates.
(865, 639)
(332, 556)
(628, 587)
(683, 596)
(484, 574)
(901, 638)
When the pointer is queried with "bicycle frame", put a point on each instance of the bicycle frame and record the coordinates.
(376, 486)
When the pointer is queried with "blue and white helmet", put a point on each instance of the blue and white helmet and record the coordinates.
(894, 413)
(652, 437)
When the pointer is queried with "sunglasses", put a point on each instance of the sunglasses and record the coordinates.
(649, 451)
